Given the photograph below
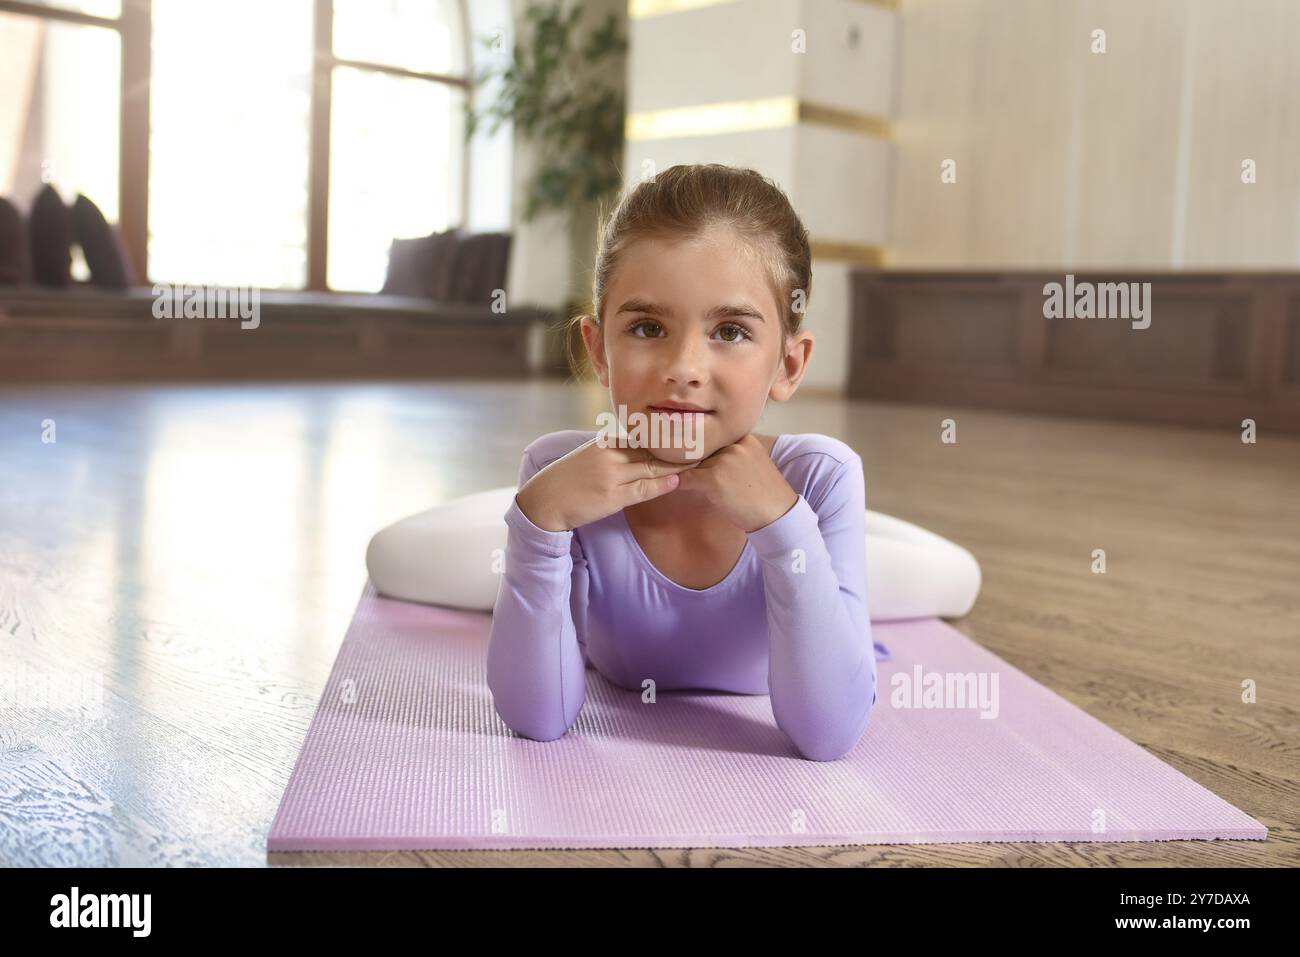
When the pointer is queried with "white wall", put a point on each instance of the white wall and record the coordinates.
(1125, 159)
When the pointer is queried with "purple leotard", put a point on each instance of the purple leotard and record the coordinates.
(789, 620)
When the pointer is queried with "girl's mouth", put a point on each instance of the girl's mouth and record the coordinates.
(680, 412)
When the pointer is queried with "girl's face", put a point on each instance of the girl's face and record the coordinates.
(695, 322)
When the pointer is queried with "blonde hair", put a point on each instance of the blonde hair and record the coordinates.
(686, 201)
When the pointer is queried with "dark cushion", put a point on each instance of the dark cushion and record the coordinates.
(480, 269)
(407, 275)
(15, 259)
(446, 248)
(49, 227)
(99, 242)
(420, 267)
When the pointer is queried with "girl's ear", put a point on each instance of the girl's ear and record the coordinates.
(593, 337)
(790, 371)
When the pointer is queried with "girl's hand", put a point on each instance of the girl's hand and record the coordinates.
(593, 481)
(743, 483)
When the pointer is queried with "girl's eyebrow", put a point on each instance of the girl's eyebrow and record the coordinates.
(725, 310)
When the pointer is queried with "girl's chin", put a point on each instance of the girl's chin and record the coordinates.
(667, 447)
(681, 456)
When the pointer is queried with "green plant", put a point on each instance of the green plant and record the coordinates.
(553, 91)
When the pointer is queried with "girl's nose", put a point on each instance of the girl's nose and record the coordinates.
(688, 360)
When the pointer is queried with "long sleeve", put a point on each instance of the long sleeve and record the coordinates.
(822, 663)
(535, 659)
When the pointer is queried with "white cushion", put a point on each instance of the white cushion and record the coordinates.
(451, 555)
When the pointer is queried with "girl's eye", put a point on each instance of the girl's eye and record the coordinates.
(735, 327)
(739, 329)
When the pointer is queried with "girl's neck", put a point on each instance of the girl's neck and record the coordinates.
(685, 509)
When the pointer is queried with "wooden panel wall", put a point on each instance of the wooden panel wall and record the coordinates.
(1219, 347)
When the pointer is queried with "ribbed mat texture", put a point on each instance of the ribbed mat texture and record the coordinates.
(406, 752)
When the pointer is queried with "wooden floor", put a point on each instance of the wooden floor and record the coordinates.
(202, 549)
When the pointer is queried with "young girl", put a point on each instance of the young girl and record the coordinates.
(738, 566)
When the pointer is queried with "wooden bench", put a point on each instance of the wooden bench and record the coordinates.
(83, 334)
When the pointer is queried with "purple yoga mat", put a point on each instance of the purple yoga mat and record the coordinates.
(406, 752)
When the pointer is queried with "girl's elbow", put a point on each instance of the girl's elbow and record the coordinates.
(826, 747)
(824, 750)
(531, 728)
(531, 725)
(539, 732)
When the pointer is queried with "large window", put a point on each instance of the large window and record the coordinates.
(280, 144)
(396, 131)
(229, 142)
(59, 114)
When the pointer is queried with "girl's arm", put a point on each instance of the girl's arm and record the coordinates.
(822, 664)
(535, 659)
